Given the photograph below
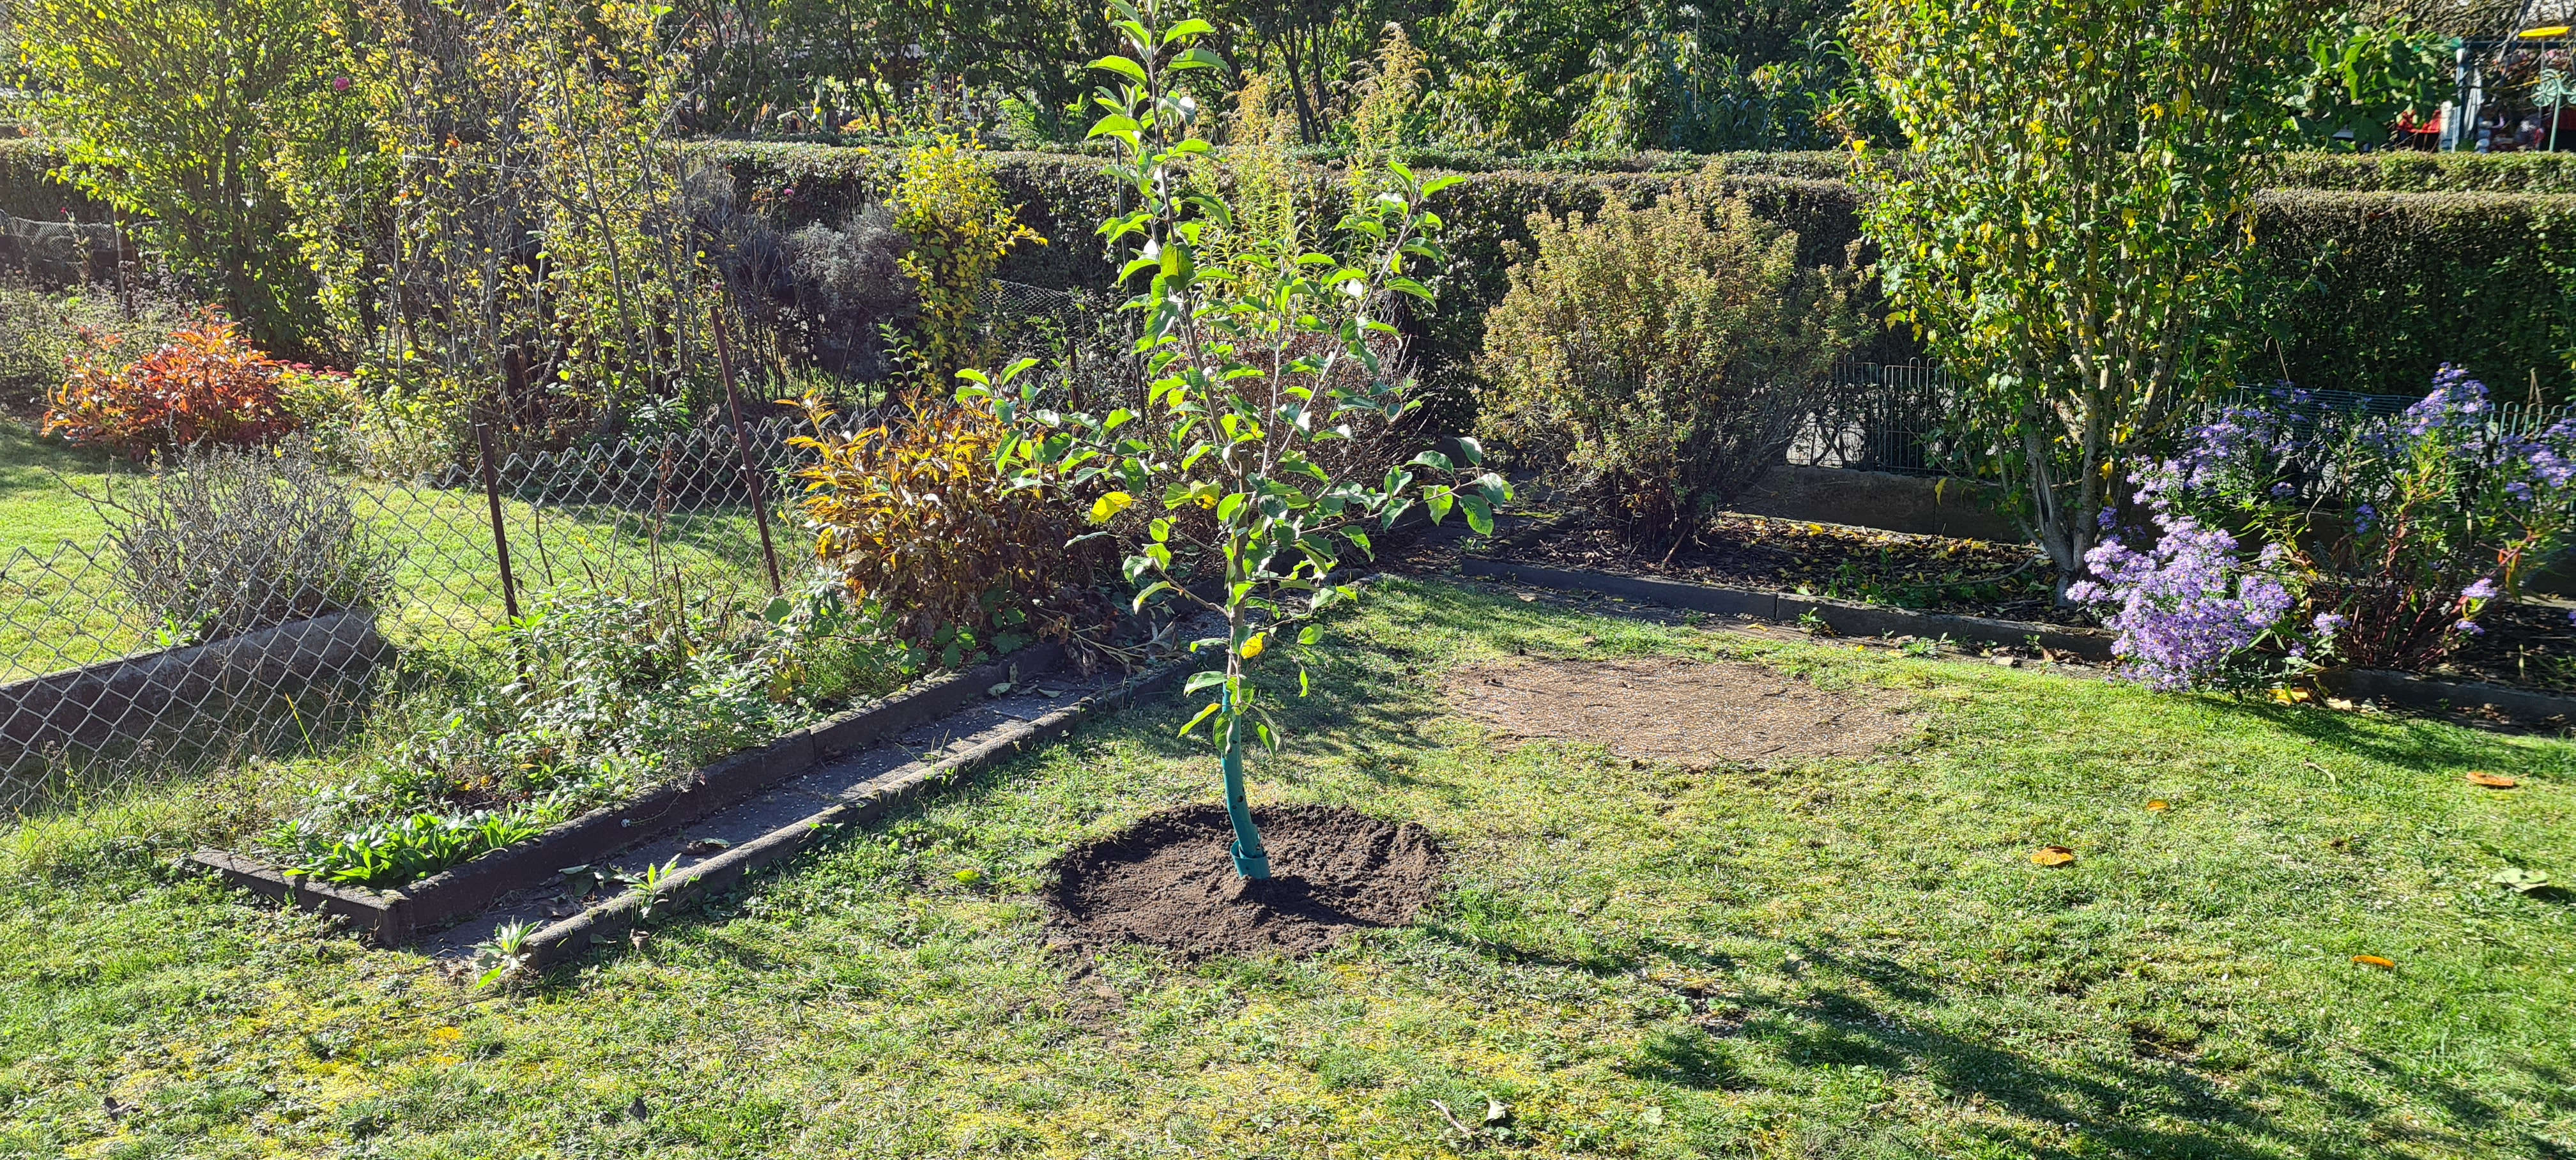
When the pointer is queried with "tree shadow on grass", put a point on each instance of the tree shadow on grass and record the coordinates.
(2402, 740)
(1873, 1012)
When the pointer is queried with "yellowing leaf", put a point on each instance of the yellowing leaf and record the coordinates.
(1108, 506)
(2052, 856)
(2375, 961)
(1252, 645)
(2290, 696)
(2492, 780)
(2160, 805)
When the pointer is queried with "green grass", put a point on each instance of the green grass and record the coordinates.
(63, 608)
(1890, 973)
(36, 511)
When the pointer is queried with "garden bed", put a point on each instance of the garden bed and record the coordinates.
(393, 916)
(2527, 645)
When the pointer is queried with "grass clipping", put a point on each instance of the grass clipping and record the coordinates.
(1686, 713)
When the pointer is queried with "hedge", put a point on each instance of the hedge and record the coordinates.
(2379, 288)
(2382, 288)
(28, 189)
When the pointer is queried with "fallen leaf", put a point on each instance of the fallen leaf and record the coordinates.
(1526, 597)
(2052, 856)
(2375, 961)
(2289, 696)
(2521, 881)
(2160, 805)
(998, 690)
(2492, 780)
(705, 846)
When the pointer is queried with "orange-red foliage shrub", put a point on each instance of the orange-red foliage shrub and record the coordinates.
(207, 384)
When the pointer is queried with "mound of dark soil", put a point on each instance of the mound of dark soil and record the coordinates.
(1169, 881)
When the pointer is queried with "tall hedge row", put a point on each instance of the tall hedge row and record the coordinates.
(28, 189)
(2378, 288)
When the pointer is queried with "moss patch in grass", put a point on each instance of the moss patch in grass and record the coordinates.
(1846, 957)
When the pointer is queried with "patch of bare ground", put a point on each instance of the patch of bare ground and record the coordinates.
(1692, 713)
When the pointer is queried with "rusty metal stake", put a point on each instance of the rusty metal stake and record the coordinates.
(500, 534)
(750, 471)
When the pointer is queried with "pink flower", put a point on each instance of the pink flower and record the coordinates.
(339, 84)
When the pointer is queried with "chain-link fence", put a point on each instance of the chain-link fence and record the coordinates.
(200, 634)
(1907, 418)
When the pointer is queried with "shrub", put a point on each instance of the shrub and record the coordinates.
(917, 518)
(2395, 532)
(204, 385)
(1655, 363)
(226, 540)
(948, 203)
(41, 331)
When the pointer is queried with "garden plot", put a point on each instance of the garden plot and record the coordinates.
(1685, 712)
(1844, 956)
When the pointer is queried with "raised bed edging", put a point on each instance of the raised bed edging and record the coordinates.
(391, 917)
(131, 697)
(1865, 620)
(618, 915)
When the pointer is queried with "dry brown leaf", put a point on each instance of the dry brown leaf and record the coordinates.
(2160, 805)
(2052, 856)
(2492, 780)
(2375, 961)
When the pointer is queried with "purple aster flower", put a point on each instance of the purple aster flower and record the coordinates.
(2468, 627)
(2484, 589)
(2327, 623)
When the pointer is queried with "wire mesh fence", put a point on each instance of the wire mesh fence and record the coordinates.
(1907, 418)
(113, 674)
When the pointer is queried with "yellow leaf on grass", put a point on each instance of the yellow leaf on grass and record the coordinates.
(2290, 696)
(2375, 961)
(2160, 805)
(2052, 856)
(2492, 780)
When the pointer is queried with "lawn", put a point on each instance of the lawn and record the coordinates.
(1842, 958)
(61, 607)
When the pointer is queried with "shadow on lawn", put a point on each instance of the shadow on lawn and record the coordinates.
(2406, 740)
(1868, 1011)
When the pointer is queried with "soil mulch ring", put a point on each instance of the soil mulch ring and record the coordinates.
(1169, 881)
(1690, 713)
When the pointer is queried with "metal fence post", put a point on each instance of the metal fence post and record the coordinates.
(500, 532)
(750, 470)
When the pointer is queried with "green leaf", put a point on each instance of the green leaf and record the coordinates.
(1204, 714)
(1480, 514)
(1198, 58)
(1191, 27)
(1203, 680)
(1108, 506)
(1125, 68)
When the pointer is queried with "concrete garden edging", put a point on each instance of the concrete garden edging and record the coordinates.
(618, 915)
(391, 917)
(134, 697)
(1848, 619)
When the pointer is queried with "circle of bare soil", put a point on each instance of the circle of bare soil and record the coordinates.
(1169, 881)
(1692, 713)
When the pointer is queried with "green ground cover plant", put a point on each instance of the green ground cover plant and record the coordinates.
(1840, 957)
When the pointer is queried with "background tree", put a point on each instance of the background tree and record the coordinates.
(171, 111)
(2071, 231)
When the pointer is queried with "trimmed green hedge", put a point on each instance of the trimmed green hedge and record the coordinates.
(2385, 287)
(27, 190)
(2410, 172)
(2381, 288)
